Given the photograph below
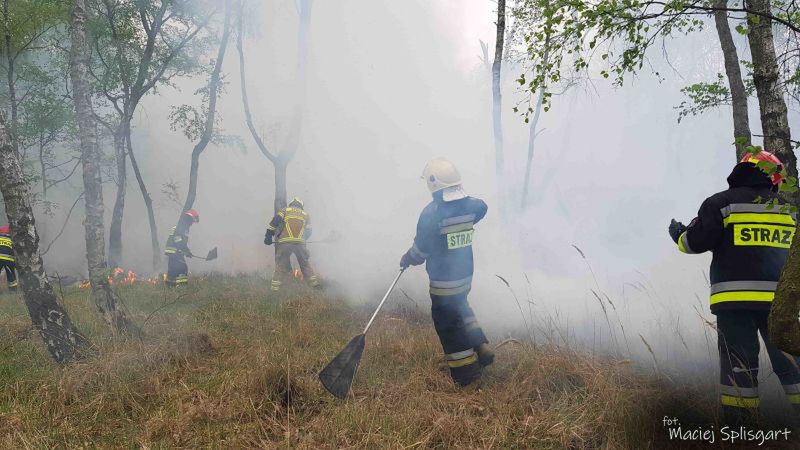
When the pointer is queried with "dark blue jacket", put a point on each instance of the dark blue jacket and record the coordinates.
(444, 240)
(749, 237)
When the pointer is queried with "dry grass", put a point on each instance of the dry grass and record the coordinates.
(225, 367)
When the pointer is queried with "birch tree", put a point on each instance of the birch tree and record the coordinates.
(281, 157)
(103, 296)
(63, 340)
(202, 125)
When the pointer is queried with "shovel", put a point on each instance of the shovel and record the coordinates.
(212, 255)
(337, 376)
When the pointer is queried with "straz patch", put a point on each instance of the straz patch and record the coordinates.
(763, 235)
(460, 239)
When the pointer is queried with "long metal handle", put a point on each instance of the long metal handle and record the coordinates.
(380, 305)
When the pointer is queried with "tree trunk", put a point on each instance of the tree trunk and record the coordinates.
(148, 203)
(10, 69)
(741, 121)
(532, 134)
(281, 166)
(774, 118)
(115, 230)
(208, 131)
(784, 329)
(64, 342)
(497, 97)
(103, 296)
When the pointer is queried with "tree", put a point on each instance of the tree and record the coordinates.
(140, 45)
(104, 298)
(62, 339)
(201, 125)
(735, 92)
(620, 33)
(280, 160)
(34, 95)
(774, 114)
(497, 97)
(741, 120)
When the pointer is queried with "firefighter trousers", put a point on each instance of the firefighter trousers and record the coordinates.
(459, 334)
(283, 264)
(177, 270)
(737, 339)
(11, 272)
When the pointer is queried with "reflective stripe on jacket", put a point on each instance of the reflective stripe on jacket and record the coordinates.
(177, 243)
(6, 248)
(291, 224)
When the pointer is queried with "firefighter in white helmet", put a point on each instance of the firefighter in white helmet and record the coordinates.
(444, 241)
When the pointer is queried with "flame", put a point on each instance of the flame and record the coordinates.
(297, 274)
(121, 277)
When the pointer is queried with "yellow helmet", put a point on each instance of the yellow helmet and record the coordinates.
(441, 175)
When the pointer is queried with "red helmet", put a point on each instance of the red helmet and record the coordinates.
(193, 214)
(5, 229)
(764, 155)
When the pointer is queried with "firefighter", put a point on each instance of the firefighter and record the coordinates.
(7, 257)
(177, 249)
(444, 240)
(749, 229)
(289, 229)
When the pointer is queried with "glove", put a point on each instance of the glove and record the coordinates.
(676, 229)
(405, 261)
(268, 239)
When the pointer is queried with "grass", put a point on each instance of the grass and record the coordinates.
(226, 366)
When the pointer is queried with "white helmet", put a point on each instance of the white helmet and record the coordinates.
(441, 174)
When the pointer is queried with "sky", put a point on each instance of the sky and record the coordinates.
(392, 84)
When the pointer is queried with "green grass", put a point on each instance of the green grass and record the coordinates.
(224, 365)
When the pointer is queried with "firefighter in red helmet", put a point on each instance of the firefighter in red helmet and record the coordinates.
(177, 249)
(7, 257)
(748, 229)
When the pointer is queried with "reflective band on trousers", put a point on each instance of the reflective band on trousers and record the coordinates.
(743, 291)
(461, 359)
(6, 257)
(739, 402)
(738, 397)
(736, 391)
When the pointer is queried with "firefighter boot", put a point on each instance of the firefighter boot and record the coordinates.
(485, 355)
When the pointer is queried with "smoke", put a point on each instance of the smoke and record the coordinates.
(393, 84)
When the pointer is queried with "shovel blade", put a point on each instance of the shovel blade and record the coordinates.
(212, 254)
(338, 375)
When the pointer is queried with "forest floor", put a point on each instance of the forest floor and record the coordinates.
(226, 365)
